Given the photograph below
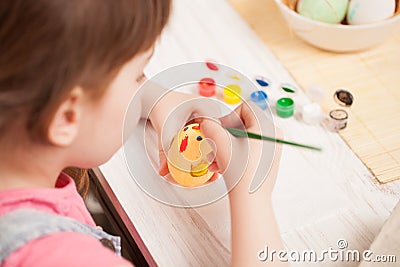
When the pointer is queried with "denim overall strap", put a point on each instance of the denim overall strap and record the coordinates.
(21, 226)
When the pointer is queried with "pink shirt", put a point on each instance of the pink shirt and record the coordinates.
(60, 249)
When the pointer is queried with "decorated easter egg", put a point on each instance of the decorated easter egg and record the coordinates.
(329, 11)
(363, 12)
(187, 157)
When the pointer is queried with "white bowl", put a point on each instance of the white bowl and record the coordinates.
(338, 37)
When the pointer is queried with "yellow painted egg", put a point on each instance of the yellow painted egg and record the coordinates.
(187, 157)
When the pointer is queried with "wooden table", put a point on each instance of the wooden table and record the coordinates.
(319, 198)
(371, 75)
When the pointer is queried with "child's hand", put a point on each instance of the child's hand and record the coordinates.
(163, 169)
(253, 223)
(171, 113)
(241, 158)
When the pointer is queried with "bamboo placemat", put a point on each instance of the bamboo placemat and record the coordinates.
(372, 76)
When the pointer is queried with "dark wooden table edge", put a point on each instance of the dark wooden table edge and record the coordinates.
(121, 221)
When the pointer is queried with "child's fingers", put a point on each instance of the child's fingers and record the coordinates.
(219, 136)
(214, 177)
(243, 115)
(163, 168)
(233, 119)
(213, 167)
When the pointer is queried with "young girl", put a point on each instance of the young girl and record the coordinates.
(68, 70)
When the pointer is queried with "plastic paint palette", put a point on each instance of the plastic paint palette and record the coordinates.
(285, 107)
(207, 87)
(262, 81)
(232, 94)
(288, 88)
(260, 98)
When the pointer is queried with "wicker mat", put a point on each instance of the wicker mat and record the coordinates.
(373, 77)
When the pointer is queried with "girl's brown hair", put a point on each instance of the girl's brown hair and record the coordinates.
(49, 46)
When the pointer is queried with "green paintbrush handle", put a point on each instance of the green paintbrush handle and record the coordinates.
(241, 133)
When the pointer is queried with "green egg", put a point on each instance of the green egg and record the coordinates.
(329, 11)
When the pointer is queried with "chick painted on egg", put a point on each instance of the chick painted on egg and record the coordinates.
(187, 157)
(363, 12)
(329, 11)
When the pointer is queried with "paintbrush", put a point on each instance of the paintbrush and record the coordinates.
(241, 133)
